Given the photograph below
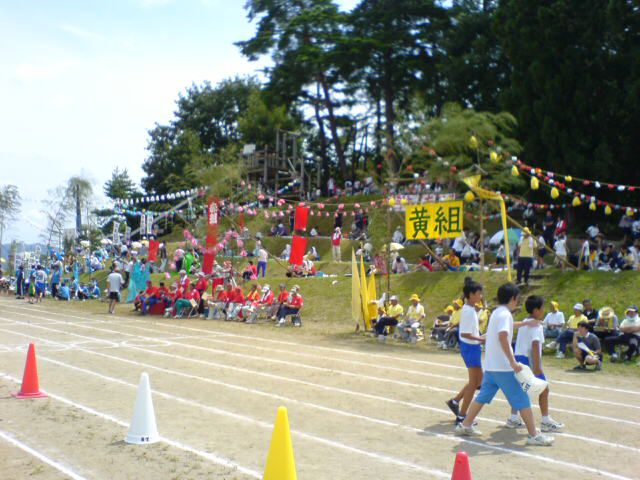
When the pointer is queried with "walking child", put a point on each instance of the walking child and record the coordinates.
(470, 349)
(500, 370)
(529, 352)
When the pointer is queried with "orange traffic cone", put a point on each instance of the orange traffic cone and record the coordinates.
(461, 469)
(30, 387)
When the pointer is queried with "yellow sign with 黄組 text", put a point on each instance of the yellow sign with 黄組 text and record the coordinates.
(434, 220)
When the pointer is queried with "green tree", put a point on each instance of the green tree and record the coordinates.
(9, 208)
(575, 83)
(205, 123)
(260, 121)
(394, 45)
(301, 37)
(120, 185)
(465, 139)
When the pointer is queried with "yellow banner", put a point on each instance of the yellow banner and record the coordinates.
(434, 220)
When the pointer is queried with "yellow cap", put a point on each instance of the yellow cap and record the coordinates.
(415, 297)
(458, 302)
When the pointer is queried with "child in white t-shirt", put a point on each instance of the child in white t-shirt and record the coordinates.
(529, 352)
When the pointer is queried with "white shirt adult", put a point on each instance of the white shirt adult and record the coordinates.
(553, 319)
(526, 337)
(459, 242)
(495, 360)
(263, 255)
(114, 282)
(469, 324)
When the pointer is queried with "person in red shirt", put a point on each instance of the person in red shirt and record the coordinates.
(190, 302)
(282, 298)
(184, 281)
(139, 302)
(263, 303)
(218, 303)
(336, 238)
(424, 265)
(175, 294)
(250, 272)
(235, 304)
(291, 307)
(201, 286)
(149, 297)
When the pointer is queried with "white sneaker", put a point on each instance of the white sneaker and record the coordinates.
(514, 423)
(614, 357)
(281, 322)
(463, 431)
(551, 426)
(551, 345)
(540, 440)
(559, 355)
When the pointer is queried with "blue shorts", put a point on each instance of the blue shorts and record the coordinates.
(525, 361)
(471, 354)
(40, 288)
(507, 382)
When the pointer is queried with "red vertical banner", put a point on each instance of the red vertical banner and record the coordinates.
(213, 216)
(301, 218)
(298, 246)
(153, 250)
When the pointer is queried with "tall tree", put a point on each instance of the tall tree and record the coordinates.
(205, 123)
(78, 193)
(9, 207)
(574, 83)
(394, 44)
(301, 37)
(120, 185)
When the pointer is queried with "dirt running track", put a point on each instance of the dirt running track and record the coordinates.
(358, 410)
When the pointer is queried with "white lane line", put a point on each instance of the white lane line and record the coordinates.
(322, 387)
(212, 457)
(128, 320)
(334, 371)
(268, 426)
(40, 456)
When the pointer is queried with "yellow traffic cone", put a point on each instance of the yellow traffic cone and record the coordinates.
(280, 462)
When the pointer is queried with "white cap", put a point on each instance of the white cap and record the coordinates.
(394, 297)
(578, 306)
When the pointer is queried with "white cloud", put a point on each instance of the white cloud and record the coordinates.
(81, 32)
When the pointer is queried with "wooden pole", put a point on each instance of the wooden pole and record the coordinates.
(482, 234)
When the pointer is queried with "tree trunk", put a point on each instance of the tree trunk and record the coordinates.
(389, 110)
(323, 142)
(333, 127)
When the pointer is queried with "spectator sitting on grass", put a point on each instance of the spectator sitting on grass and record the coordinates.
(400, 265)
(452, 261)
(586, 347)
(63, 292)
(424, 265)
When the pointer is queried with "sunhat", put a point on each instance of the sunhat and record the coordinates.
(415, 297)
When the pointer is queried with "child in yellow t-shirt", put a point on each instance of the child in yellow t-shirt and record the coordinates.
(566, 337)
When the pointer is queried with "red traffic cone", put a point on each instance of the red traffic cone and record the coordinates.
(461, 469)
(30, 387)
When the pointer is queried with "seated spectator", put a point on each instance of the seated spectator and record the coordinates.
(313, 254)
(95, 291)
(236, 302)
(606, 324)
(626, 260)
(283, 297)
(629, 335)
(440, 325)
(315, 232)
(397, 236)
(292, 306)
(390, 318)
(413, 318)
(586, 347)
(452, 261)
(589, 312)
(593, 231)
(451, 334)
(424, 265)
(250, 272)
(189, 303)
(83, 293)
(64, 293)
(218, 303)
(566, 336)
(553, 323)
(142, 299)
(399, 265)
(262, 305)
(154, 296)
(308, 268)
(286, 253)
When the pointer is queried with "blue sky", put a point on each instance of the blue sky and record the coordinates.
(82, 81)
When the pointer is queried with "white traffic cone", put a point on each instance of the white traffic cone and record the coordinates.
(143, 427)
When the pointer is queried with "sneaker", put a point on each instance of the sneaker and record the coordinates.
(614, 357)
(540, 440)
(580, 367)
(514, 423)
(281, 322)
(297, 324)
(463, 431)
(454, 406)
(599, 366)
(551, 345)
(559, 355)
(551, 426)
